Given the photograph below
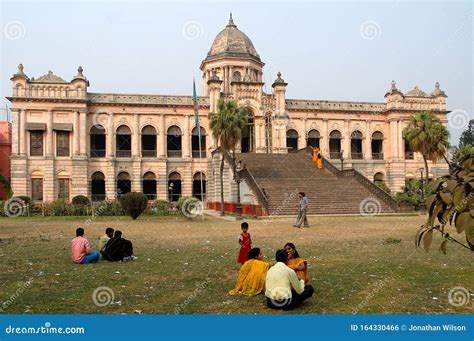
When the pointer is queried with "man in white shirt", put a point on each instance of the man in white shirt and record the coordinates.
(283, 288)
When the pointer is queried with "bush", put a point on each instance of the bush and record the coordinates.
(134, 203)
(188, 206)
(58, 207)
(80, 200)
(108, 208)
(161, 208)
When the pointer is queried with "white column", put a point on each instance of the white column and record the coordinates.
(111, 137)
(22, 131)
(162, 138)
(186, 138)
(347, 140)
(136, 136)
(393, 139)
(49, 134)
(75, 134)
(368, 142)
(324, 139)
(82, 131)
(400, 139)
(15, 132)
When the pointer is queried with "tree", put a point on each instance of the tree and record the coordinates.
(134, 203)
(428, 136)
(451, 202)
(467, 136)
(460, 154)
(226, 125)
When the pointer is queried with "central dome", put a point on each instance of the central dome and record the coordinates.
(231, 42)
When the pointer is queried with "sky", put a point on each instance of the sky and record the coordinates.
(324, 50)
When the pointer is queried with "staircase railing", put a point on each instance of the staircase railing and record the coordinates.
(246, 174)
(351, 172)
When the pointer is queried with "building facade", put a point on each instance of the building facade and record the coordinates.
(5, 152)
(67, 141)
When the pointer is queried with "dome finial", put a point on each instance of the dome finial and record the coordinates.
(231, 21)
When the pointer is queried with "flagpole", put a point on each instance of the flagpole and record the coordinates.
(198, 126)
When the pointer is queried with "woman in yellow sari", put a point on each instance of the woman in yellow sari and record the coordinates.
(296, 263)
(252, 275)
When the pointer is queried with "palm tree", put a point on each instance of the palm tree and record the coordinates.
(226, 125)
(428, 136)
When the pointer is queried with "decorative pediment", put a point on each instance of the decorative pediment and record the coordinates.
(49, 78)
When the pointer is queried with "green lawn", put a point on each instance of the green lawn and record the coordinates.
(189, 266)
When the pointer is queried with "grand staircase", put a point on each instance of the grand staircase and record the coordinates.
(277, 179)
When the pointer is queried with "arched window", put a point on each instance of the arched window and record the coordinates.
(378, 177)
(409, 155)
(195, 142)
(174, 186)
(377, 146)
(236, 77)
(247, 142)
(356, 145)
(123, 141)
(149, 141)
(98, 186)
(197, 186)
(313, 138)
(149, 185)
(124, 185)
(292, 140)
(335, 151)
(173, 141)
(97, 141)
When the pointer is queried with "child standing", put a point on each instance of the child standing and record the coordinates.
(245, 242)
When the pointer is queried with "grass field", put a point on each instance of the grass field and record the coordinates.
(357, 265)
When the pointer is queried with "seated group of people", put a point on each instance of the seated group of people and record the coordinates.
(112, 247)
(283, 282)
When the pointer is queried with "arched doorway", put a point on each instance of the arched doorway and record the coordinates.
(97, 141)
(292, 140)
(197, 186)
(124, 185)
(195, 143)
(335, 145)
(356, 145)
(98, 186)
(377, 146)
(149, 185)
(247, 142)
(313, 138)
(174, 186)
(173, 141)
(123, 141)
(149, 141)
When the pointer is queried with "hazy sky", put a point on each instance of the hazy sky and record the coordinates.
(325, 50)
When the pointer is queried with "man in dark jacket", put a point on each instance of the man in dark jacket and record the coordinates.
(118, 249)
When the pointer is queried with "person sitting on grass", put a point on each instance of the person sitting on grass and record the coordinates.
(82, 250)
(295, 262)
(283, 288)
(109, 233)
(118, 249)
(252, 275)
